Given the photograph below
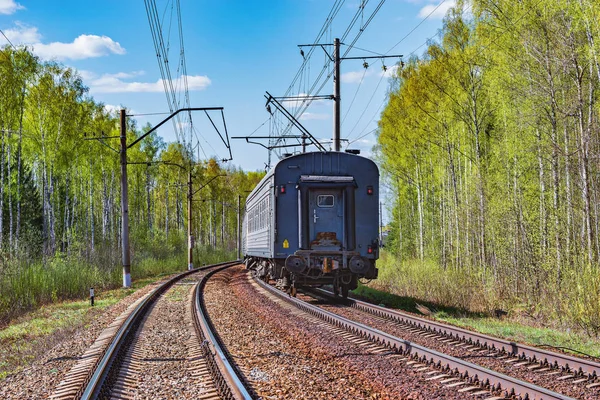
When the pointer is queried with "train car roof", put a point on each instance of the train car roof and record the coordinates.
(315, 157)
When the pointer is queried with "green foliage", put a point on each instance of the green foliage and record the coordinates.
(60, 205)
(488, 142)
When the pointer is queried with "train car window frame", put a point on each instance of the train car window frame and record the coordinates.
(320, 204)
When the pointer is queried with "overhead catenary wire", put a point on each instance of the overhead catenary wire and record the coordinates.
(354, 97)
(471, 59)
(306, 103)
(7, 39)
(382, 75)
(416, 26)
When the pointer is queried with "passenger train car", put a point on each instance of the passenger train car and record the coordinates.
(313, 220)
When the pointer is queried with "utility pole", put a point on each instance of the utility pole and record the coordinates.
(239, 229)
(126, 259)
(337, 80)
(125, 205)
(336, 94)
(380, 224)
(189, 210)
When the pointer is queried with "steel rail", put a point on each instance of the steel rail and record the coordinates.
(228, 379)
(474, 373)
(102, 369)
(532, 354)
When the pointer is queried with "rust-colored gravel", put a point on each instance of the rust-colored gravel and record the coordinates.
(288, 355)
(58, 353)
(566, 387)
(159, 350)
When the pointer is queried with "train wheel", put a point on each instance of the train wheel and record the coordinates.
(344, 290)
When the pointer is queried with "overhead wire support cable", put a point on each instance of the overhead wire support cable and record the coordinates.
(271, 99)
(306, 102)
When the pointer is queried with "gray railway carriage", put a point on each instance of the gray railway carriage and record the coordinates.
(313, 220)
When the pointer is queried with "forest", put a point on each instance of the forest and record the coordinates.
(491, 145)
(60, 211)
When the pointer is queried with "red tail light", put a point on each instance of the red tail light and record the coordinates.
(369, 190)
(282, 189)
(370, 249)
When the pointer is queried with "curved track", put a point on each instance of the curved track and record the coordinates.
(103, 369)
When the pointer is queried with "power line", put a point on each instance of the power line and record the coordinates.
(367, 106)
(392, 48)
(368, 51)
(416, 26)
(354, 97)
(306, 103)
(7, 39)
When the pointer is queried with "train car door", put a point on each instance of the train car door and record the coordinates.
(326, 218)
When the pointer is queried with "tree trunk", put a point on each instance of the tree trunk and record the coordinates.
(420, 210)
(542, 183)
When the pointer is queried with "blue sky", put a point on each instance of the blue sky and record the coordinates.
(235, 50)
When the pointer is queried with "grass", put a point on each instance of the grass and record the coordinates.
(32, 333)
(41, 302)
(26, 285)
(510, 328)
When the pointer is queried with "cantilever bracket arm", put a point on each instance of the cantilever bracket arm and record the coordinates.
(171, 116)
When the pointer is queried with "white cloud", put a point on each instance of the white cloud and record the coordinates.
(114, 83)
(439, 13)
(126, 75)
(112, 109)
(86, 75)
(9, 7)
(84, 46)
(21, 34)
(355, 76)
(314, 116)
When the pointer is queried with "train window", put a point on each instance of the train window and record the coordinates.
(325, 201)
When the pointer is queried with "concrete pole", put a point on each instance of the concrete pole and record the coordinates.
(125, 205)
(190, 236)
(380, 223)
(239, 229)
(336, 94)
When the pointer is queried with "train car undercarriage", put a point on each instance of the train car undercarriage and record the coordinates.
(311, 269)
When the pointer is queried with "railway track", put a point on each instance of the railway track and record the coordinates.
(469, 378)
(578, 370)
(562, 373)
(112, 366)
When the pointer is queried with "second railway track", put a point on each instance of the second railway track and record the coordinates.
(573, 376)
(455, 372)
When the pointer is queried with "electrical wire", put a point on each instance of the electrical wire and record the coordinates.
(390, 50)
(354, 97)
(306, 103)
(8, 40)
(416, 26)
